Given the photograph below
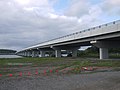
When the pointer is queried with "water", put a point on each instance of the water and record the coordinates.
(15, 56)
(9, 56)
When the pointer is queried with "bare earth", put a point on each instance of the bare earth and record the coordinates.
(94, 81)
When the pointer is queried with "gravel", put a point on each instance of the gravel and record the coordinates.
(94, 81)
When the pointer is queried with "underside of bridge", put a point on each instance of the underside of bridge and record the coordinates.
(103, 45)
(107, 36)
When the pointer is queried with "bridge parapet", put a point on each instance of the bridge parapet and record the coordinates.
(94, 31)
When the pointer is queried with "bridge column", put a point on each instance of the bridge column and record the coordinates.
(58, 53)
(103, 53)
(35, 53)
(25, 54)
(21, 53)
(74, 52)
(103, 48)
(30, 53)
(42, 53)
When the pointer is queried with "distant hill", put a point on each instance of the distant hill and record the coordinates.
(7, 52)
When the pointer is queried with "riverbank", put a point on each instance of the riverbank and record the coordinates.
(10, 56)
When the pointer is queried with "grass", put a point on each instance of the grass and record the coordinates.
(61, 63)
(34, 61)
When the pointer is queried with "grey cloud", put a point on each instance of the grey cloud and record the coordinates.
(78, 8)
(88, 14)
(111, 7)
(29, 30)
(25, 26)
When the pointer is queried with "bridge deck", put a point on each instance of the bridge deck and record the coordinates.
(94, 31)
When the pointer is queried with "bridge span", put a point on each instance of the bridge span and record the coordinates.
(103, 36)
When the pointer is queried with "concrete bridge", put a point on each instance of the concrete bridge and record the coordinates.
(104, 37)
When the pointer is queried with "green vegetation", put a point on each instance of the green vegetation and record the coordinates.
(60, 63)
(7, 52)
(7, 65)
(34, 61)
(94, 52)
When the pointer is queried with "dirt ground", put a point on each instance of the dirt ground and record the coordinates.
(94, 81)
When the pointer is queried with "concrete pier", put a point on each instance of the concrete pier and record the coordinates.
(103, 53)
(42, 53)
(58, 53)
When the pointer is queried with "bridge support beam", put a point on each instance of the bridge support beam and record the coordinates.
(103, 53)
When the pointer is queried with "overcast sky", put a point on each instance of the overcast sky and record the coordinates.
(27, 22)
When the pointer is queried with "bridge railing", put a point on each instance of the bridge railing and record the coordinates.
(98, 30)
(102, 29)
